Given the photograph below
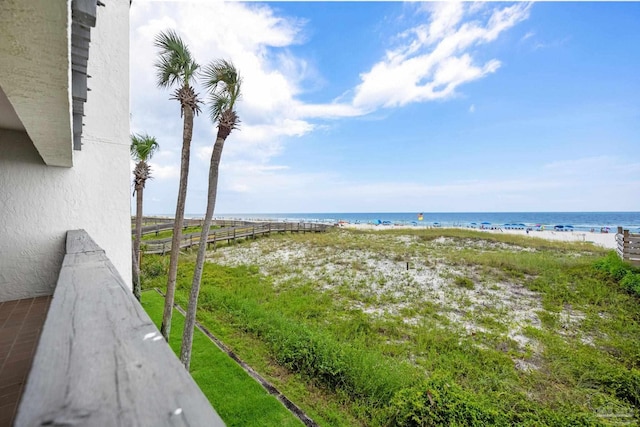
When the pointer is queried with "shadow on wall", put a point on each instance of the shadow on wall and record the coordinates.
(17, 147)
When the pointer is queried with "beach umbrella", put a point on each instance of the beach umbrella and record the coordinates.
(486, 223)
(568, 226)
(473, 223)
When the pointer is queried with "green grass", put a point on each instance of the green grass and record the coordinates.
(327, 342)
(237, 397)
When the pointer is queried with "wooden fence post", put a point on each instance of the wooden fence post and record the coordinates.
(625, 245)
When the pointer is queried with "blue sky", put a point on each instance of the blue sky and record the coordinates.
(393, 107)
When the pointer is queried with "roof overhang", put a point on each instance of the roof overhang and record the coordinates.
(35, 73)
(43, 80)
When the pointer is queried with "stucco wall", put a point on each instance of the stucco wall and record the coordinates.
(39, 203)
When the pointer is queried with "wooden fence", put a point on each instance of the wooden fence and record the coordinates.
(156, 225)
(166, 225)
(232, 230)
(628, 246)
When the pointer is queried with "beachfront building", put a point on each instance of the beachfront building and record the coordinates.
(65, 246)
(64, 162)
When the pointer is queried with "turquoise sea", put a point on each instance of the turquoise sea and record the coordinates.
(583, 221)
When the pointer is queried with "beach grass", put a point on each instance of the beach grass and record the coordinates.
(238, 398)
(413, 327)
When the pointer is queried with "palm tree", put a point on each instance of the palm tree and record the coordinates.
(223, 83)
(176, 67)
(142, 149)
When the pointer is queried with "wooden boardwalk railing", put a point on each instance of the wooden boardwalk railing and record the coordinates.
(628, 246)
(165, 224)
(232, 230)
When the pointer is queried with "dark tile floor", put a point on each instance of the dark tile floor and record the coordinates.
(21, 322)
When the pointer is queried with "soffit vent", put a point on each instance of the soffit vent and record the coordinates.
(83, 17)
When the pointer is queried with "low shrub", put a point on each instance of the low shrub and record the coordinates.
(464, 282)
(627, 276)
(437, 401)
(153, 267)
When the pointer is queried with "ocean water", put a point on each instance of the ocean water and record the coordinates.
(581, 221)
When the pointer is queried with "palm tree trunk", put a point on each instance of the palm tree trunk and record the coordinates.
(136, 242)
(187, 133)
(135, 273)
(187, 334)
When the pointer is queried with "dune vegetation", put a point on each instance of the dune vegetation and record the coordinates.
(428, 327)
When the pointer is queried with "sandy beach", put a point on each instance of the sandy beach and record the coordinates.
(607, 240)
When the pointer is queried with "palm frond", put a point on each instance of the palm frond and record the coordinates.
(218, 104)
(175, 64)
(222, 80)
(143, 147)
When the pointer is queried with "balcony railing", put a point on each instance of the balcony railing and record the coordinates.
(100, 360)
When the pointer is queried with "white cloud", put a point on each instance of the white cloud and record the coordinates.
(428, 62)
(240, 188)
(164, 172)
(528, 35)
(204, 152)
(322, 192)
(551, 44)
(158, 171)
(328, 111)
(433, 59)
(599, 167)
(472, 109)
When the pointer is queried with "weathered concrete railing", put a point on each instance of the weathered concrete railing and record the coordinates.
(628, 246)
(101, 361)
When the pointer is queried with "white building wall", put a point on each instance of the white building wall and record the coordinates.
(39, 203)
